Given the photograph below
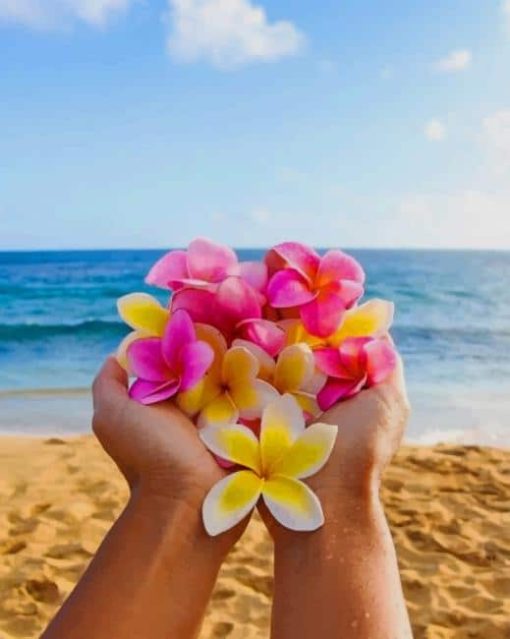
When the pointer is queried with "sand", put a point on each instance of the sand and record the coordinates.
(448, 508)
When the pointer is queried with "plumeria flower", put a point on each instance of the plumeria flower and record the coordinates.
(274, 466)
(145, 315)
(359, 362)
(296, 374)
(231, 390)
(177, 361)
(204, 265)
(235, 309)
(320, 287)
(371, 319)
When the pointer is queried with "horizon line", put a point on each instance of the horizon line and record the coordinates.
(255, 248)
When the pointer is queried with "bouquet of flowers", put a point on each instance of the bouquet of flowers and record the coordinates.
(254, 353)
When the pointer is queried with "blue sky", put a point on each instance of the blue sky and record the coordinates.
(141, 123)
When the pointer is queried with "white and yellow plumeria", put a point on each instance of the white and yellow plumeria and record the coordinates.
(145, 315)
(372, 319)
(275, 464)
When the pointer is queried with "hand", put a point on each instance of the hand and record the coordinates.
(157, 448)
(370, 429)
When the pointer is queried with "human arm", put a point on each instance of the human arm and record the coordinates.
(154, 572)
(342, 580)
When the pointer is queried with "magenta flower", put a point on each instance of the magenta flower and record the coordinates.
(235, 309)
(322, 288)
(359, 362)
(204, 265)
(170, 364)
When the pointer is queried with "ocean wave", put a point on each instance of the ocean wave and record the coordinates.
(98, 327)
(29, 330)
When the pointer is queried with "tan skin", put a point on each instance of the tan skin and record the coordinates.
(154, 573)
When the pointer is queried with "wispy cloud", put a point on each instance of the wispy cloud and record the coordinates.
(435, 130)
(463, 218)
(228, 33)
(48, 14)
(455, 61)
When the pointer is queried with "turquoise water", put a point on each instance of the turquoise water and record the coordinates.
(58, 321)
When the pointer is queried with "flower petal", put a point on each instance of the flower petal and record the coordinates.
(336, 266)
(255, 273)
(300, 257)
(264, 333)
(216, 341)
(192, 401)
(353, 355)
(292, 503)
(381, 360)
(233, 442)
(147, 392)
(236, 301)
(221, 410)
(240, 367)
(282, 423)
(322, 316)
(266, 362)
(209, 261)
(251, 398)
(121, 354)
(328, 362)
(308, 404)
(145, 359)
(348, 291)
(143, 313)
(288, 288)
(178, 333)
(172, 266)
(230, 500)
(199, 303)
(373, 318)
(294, 368)
(197, 357)
(309, 452)
(315, 383)
(337, 390)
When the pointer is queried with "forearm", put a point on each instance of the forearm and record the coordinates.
(152, 577)
(341, 581)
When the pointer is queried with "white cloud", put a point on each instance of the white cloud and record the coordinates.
(47, 14)
(455, 61)
(228, 33)
(464, 218)
(435, 130)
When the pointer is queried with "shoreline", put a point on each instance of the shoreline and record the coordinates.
(440, 415)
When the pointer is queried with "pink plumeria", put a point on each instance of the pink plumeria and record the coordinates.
(359, 362)
(205, 264)
(173, 363)
(230, 303)
(321, 288)
(234, 308)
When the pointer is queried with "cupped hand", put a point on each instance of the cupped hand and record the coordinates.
(370, 428)
(157, 448)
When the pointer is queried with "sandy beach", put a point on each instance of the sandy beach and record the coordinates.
(448, 508)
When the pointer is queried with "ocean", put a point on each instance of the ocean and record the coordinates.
(58, 321)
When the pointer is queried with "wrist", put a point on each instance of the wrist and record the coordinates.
(346, 512)
(179, 515)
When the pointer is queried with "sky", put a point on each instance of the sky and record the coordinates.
(350, 123)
